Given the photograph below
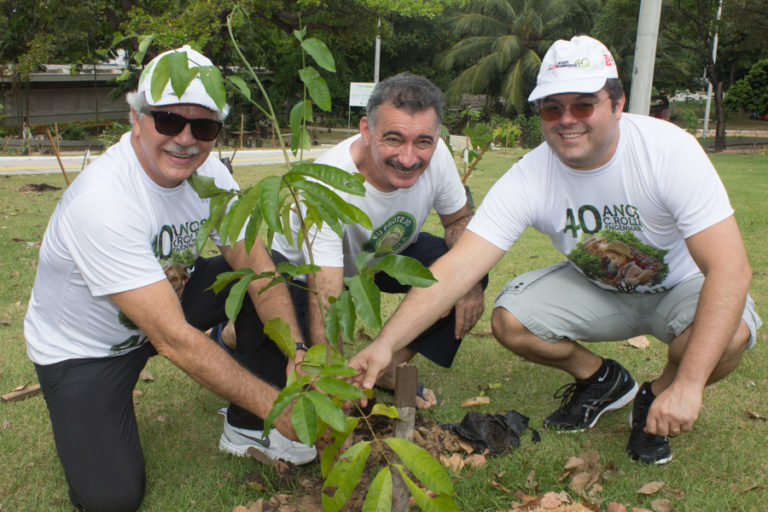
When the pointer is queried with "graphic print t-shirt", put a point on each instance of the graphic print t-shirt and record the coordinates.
(114, 230)
(624, 224)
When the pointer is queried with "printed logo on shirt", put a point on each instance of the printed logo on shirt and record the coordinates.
(620, 260)
(590, 219)
(174, 239)
(392, 235)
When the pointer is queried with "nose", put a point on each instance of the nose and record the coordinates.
(409, 155)
(567, 117)
(185, 137)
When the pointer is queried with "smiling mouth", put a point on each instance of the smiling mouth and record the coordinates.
(402, 168)
(571, 135)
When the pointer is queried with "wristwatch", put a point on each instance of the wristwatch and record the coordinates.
(301, 346)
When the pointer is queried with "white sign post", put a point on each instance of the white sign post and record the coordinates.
(358, 97)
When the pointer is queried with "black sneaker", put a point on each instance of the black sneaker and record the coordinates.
(583, 402)
(647, 448)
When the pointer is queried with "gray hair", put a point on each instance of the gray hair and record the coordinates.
(406, 91)
(138, 102)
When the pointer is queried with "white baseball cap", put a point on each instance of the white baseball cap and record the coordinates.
(195, 94)
(582, 64)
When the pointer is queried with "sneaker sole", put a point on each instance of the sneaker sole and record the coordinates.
(658, 462)
(228, 447)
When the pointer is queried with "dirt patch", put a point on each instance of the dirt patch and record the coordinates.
(38, 187)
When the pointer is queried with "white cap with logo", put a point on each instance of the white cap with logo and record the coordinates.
(195, 94)
(581, 65)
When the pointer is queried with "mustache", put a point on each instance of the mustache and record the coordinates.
(392, 162)
(178, 149)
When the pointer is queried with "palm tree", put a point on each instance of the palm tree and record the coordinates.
(502, 42)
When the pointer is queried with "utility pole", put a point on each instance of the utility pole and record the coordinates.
(377, 55)
(705, 128)
(645, 56)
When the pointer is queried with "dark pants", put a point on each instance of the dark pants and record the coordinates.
(90, 401)
(438, 342)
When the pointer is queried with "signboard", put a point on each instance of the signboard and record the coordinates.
(359, 92)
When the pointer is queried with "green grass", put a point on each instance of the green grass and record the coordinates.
(716, 467)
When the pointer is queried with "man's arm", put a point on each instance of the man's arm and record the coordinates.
(456, 272)
(156, 310)
(719, 252)
(469, 308)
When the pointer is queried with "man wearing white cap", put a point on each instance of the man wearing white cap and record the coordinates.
(610, 189)
(119, 281)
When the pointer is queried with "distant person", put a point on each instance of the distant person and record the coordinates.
(601, 170)
(408, 171)
(119, 281)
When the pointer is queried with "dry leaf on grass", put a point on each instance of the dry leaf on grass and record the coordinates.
(146, 375)
(640, 342)
(661, 505)
(650, 488)
(478, 400)
(475, 461)
(755, 416)
(137, 393)
(640, 509)
(616, 507)
(453, 462)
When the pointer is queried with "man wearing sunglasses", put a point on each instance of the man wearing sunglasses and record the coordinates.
(119, 281)
(652, 247)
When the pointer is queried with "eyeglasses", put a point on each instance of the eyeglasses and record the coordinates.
(172, 124)
(579, 110)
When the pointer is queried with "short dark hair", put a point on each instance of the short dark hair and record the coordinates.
(615, 91)
(412, 93)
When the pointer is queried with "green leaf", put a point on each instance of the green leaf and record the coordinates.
(223, 279)
(293, 270)
(181, 73)
(367, 298)
(144, 42)
(344, 211)
(269, 201)
(379, 496)
(240, 85)
(241, 210)
(339, 179)
(317, 355)
(440, 503)
(331, 323)
(320, 52)
(337, 370)
(287, 395)
(328, 457)
(429, 472)
(302, 140)
(236, 295)
(390, 411)
(279, 331)
(338, 388)
(304, 420)
(363, 259)
(317, 209)
(345, 313)
(344, 476)
(318, 89)
(301, 111)
(327, 410)
(214, 85)
(408, 271)
(217, 209)
(253, 227)
(300, 34)
(204, 186)
(160, 77)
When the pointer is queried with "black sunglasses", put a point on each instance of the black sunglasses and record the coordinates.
(172, 124)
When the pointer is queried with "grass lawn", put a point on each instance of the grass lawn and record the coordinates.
(721, 465)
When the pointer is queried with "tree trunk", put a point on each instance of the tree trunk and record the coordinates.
(720, 113)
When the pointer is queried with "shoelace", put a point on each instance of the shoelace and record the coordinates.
(568, 392)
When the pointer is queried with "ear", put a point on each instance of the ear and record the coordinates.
(620, 105)
(365, 130)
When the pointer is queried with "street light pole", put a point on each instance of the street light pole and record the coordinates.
(645, 56)
(705, 128)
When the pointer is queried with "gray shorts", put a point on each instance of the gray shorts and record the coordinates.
(559, 302)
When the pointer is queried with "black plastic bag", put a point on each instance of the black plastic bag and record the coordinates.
(493, 432)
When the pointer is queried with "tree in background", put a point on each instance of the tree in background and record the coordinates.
(501, 44)
(750, 94)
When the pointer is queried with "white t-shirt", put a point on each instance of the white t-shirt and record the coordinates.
(397, 217)
(629, 217)
(113, 230)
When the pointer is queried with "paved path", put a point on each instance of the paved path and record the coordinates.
(44, 164)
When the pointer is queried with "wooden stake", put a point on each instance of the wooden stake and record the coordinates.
(406, 383)
(58, 157)
(21, 394)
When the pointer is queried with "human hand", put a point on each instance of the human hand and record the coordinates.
(469, 309)
(674, 411)
(369, 364)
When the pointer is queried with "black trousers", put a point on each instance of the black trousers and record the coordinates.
(90, 401)
(438, 342)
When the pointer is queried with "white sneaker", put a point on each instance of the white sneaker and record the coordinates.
(237, 440)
